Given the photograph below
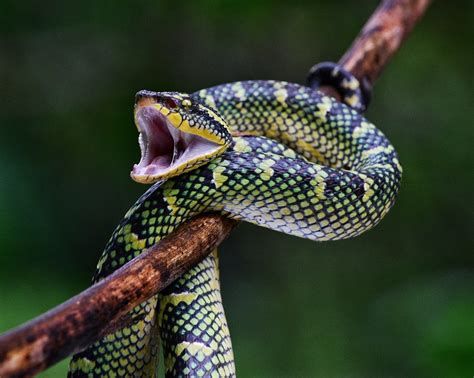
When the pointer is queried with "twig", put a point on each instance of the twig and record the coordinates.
(102, 308)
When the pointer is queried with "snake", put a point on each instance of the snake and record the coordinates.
(273, 153)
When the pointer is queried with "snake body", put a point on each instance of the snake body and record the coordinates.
(298, 162)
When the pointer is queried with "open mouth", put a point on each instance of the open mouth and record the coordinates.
(165, 150)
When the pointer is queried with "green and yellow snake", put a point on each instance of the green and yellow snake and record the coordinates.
(276, 154)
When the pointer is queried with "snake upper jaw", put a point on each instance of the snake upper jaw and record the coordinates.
(166, 150)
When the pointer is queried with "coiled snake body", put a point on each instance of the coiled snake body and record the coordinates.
(272, 153)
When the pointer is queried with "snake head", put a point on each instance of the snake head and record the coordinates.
(177, 134)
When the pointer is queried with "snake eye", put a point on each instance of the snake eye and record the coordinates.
(171, 103)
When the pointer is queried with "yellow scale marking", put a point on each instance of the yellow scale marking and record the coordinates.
(267, 171)
(218, 176)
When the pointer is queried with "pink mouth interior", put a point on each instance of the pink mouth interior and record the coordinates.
(164, 147)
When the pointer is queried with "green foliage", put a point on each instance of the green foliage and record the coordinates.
(395, 302)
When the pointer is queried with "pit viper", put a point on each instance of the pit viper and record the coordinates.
(276, 154)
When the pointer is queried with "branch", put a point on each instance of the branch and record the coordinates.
(103, 308)
(381, 37)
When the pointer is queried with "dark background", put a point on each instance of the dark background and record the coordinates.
(396, 301)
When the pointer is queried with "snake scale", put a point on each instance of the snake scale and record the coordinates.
(276, 154)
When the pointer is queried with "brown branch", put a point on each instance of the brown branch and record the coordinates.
(100, 309)
(103, 308)
(381, 37)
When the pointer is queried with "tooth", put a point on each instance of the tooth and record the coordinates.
(175, 155)
(175, 135)
(175, 149)
(140, 142)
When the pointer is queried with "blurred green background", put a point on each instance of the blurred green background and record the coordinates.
(395, 302)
